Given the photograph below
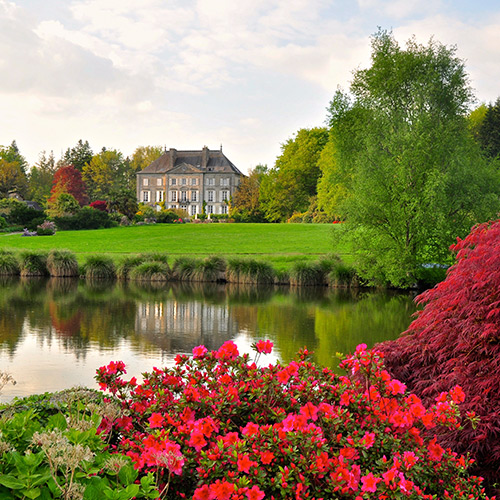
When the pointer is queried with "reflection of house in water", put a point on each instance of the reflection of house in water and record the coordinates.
(176, 326)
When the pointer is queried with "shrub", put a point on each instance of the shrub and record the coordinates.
(62, 263)
(184, 268)
(47, 228)
(249, 271)
(22, 215)
(155, 256)
(342, 275)
(51, 449)
(3, 223)
(166, 216)
(99, 267)
(84, 218)
(210, 269)
(127, 264)
(455, 339)
(9, 266)
(151, 271)
(216, 425)
(99, 205)
(33, 263)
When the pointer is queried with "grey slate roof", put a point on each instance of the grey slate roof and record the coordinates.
(217, 162)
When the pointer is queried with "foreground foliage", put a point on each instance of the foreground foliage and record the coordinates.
(455, 340)
(218, 426)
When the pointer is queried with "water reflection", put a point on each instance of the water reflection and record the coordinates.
(54, 333)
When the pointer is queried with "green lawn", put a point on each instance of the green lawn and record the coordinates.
(279, 244)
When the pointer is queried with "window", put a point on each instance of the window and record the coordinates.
(173, 195)
(145, 196)
(159, 196)
(210, 195)
(173, 206)
(184, 181)
(225, 195)
(223, 209)
(193, 209)
(224, 182)
(183, 195)
(173, 182)
(194, 181)
(211, 182)
(159, 182)
(194, 195)
(145, 182)
(210, 209)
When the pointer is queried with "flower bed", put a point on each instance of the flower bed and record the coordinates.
(218, 426)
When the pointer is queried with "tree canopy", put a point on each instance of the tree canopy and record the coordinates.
(293, 181)
(418, 178)
(68, 180)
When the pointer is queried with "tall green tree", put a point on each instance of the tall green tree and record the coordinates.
(419, 180)
(288, 187)
(78, 156)
(489, 130)
(245, 204)
(106, 172)
(41, 176)
(12, 171)
(143, 156)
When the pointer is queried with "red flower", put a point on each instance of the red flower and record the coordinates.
(396, 387)
(199, 351)
(435, 450)
(368, 440)
(156, 420)
(309, 411)
(244, 463)
(283, 376)
(369, 483)
(227, 351)
(255, 493)
(202, 493)
(250, 429)
(265, 346)
(266, 457)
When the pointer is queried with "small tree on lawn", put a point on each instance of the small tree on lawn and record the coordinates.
(455, 339)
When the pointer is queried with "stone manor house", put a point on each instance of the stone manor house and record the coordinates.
(187, 179)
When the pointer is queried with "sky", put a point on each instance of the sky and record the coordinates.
(244, 74)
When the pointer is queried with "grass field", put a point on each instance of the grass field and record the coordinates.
(278, 244)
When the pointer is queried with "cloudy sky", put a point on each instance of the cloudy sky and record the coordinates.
(246, 74)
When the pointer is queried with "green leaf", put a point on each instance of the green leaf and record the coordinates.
(32, 493)
(127, 474)
(12, 482)
(57, 421)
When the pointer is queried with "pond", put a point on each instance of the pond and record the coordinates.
(55, 333)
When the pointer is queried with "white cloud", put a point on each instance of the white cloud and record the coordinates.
(190, 72)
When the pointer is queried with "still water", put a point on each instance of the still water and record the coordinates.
(55, 333)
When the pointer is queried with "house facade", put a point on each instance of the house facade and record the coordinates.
(188, 180)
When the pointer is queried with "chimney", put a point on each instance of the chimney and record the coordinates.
(204, 157)
(173, 155)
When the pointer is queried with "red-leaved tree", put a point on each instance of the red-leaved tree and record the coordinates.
(455, 339)
(68, 179)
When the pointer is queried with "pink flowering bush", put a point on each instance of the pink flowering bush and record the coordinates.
(217, 426)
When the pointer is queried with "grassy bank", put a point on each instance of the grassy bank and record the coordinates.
(281, 245)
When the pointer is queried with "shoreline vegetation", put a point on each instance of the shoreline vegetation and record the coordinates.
(158, 267)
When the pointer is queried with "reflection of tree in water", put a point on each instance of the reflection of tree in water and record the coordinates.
(174, 317)
(373, 318)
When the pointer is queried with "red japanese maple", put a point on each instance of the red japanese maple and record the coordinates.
(68, 179)
(455, 339)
